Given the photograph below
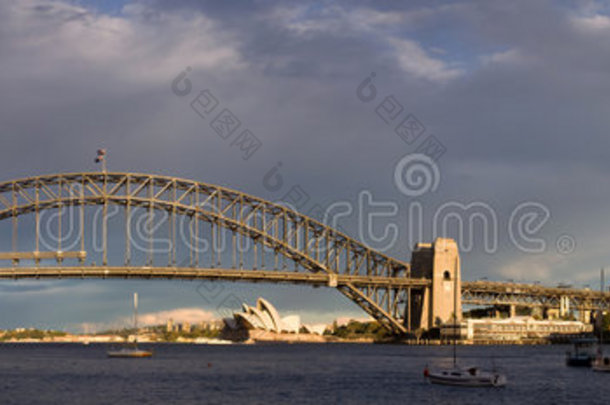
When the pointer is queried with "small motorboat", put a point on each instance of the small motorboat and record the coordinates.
(583, 353)
(465, 377)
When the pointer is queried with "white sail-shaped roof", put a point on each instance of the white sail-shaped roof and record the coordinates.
(291, 324)
(263, 318)
(248, 320)
(266, 306)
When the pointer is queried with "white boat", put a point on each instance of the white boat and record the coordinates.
(129, 352)
(465, 377)
(602, 364)
(133, 351)
(458, 376)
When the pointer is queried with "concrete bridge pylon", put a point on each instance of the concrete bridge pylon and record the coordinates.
(440, 263)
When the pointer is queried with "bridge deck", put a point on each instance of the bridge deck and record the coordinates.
(321, 279)
(531, 295)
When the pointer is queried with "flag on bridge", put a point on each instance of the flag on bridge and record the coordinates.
(101, 158)
(101, 155)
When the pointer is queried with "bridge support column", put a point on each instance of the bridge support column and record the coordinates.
(439, 262)
(551, 313)
(585, 316)
(538, 312)
(564, 306)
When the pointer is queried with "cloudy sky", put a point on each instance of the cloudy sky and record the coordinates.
(511, 102)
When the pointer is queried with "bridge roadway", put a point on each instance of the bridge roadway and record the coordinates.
(190, 273)
(473, 292)
(532, 295)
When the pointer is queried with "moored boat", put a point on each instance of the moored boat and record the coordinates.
(459, 376)
(465, 377)
(129, 352)
(133, 351)
(601, 364)
(582, 354)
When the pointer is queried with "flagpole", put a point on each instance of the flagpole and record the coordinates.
(101, 158)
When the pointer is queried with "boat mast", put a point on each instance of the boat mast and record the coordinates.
(135, 315)
(600, 313)
(455, 317)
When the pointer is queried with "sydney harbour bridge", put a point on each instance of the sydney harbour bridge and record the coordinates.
(127, 225)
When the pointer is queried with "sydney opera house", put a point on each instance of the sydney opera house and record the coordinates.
(265, 317)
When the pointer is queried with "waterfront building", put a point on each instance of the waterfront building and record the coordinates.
(520, 328)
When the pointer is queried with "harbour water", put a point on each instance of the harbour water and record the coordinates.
(283, 374)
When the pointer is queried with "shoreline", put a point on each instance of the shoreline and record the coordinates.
(291, 342)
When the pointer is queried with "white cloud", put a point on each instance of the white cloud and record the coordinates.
(138, 45)
(509, 57)
(527, 270)
(592, 24)
(369, 19)
(335, 19)
(179, 315)
(533, 267)
(414, 60)
(375, 24)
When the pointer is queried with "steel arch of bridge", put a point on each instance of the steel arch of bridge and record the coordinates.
(321, 255)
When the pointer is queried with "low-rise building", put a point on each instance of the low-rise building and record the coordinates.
(513, 329)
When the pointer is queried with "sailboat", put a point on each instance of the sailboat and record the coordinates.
(132, 352)
(462, 376)
(601, 362)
